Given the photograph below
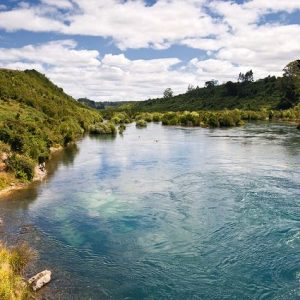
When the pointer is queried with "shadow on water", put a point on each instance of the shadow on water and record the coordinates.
(106, 138)
(22, 198)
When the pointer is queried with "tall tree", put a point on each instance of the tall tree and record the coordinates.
(211, 83)
(168, 93)
(290, 85)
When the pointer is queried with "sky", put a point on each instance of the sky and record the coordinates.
(117, 50)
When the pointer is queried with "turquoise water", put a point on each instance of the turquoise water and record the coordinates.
(168, 213)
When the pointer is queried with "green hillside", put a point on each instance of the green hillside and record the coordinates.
(266, 93)
(35, 115)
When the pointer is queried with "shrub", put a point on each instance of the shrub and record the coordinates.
(22, 166)
(6, 179)
(4, 148)
(103, 128)
(156, 117)
(141, 124)
(213, 121)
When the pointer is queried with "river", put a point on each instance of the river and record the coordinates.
(168, 213)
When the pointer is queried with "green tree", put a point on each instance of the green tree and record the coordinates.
(290, 85)
(211, 83)
(168, 93)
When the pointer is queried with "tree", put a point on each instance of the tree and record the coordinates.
(230, 88)
(290, 85)
(292, 70)
(211, 83)
(190, 88)
(241, 77)
(247, 77)
(168, 93)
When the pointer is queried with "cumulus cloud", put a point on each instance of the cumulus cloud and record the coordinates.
(235, 37)
(84, 73)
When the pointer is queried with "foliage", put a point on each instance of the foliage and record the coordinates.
(141, 123)
(35, 115)
(6, 179)
(103, 128)
(22, 166)
(203, 118)
(12, 264)
(168, 93)
(247, 77)
(211, 83)
(290, 85)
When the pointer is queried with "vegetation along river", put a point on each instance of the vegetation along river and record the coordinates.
(168, 213)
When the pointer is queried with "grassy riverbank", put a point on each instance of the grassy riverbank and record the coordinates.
(13, 261)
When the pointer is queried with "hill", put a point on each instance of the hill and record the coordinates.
(35, 115)
(103, 104)
(246, 94)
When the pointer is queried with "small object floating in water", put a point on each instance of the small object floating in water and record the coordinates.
(39, 280)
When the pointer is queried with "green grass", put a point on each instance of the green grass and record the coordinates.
(13, 261)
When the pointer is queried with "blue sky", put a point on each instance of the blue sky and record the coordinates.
(133, 50)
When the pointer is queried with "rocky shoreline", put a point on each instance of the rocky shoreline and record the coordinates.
(40, 173)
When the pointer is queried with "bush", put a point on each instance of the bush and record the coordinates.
(6, 179)
(212, 121)
(22, 166)
(4, 148)
(103, 128)
(141, 124)
(156, 117)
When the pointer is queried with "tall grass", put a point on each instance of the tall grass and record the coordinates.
(12, 264)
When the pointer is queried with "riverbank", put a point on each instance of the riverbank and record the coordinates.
(40, 174)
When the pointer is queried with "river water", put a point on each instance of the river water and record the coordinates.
(168, 213)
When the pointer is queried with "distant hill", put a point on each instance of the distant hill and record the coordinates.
(91, 103)
(102, 104)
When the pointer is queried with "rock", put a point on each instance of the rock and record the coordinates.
(26, 229)
(1, 222)
(40, 279)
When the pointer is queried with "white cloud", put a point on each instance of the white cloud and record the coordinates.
(83, 73)
(236, 37)
(27, 19)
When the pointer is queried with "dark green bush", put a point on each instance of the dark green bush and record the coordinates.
(22, 166)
